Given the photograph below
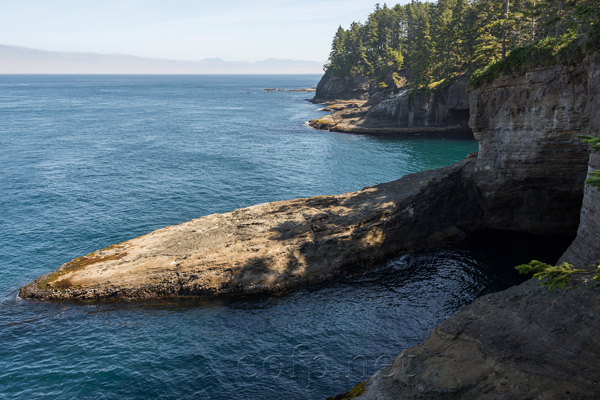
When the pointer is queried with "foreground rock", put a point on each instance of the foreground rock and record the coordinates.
(274, 246)
(525, 342)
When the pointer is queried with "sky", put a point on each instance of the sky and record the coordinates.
(182, 29)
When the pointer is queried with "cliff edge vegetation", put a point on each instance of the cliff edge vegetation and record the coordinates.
(425, 45)
(404, 70)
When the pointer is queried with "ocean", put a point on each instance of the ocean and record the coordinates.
(88, 161)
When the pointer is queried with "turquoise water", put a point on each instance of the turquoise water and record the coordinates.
(88, 161)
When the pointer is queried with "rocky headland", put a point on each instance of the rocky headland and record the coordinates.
(526, 342)
(357, 106)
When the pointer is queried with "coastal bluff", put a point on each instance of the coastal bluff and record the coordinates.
(357, 106)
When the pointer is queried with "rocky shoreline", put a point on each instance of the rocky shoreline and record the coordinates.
(349, 117)
(274, 246)
(524, 343)
(442, 112)
(528, 176)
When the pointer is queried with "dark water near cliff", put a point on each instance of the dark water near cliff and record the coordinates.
(87, 161)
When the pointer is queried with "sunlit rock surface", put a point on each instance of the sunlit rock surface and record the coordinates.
(275, 246)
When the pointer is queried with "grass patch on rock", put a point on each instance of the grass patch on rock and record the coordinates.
(78, 264)
(542, 53)
(354, 392)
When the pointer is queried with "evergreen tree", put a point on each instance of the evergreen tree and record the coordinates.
(427, 42)
(337, 58)
(422, 52)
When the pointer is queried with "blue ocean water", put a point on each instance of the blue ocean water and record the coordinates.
(88, 161)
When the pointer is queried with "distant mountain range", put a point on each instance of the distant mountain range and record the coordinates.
(22, 60)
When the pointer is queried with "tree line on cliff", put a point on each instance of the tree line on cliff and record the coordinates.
(424, 43)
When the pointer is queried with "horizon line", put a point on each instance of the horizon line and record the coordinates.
(206, 59)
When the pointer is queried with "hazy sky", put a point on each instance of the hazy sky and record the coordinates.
(182, 29)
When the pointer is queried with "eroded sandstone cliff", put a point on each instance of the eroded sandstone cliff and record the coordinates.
(530, 163)
(526, 342)
(332, 87)
(395, 111)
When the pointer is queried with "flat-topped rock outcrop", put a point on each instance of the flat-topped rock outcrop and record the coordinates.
(274, 246)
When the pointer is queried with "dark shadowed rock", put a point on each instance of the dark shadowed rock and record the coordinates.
(332, 87)
(586, 247)
(526, 342)
(530, 160)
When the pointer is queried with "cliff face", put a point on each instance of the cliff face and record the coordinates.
(586, 247)
(442, 108)
(332, 87)
(585, 250)
(530, 164)
(526, 342)
(403, 111)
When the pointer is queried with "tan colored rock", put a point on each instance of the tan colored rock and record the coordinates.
(274, 246)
